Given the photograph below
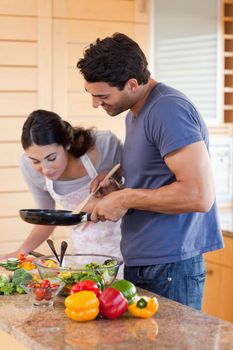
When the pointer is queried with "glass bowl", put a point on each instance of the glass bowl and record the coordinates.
(42, 295)
(102, 269)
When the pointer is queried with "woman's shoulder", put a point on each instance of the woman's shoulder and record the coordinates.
(109, 148)
(106, 138)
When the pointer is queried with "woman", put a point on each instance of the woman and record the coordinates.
(58, 165)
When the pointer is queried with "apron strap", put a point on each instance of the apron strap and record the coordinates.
(88, 166)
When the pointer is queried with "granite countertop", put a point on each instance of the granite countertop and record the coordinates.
(174, 327)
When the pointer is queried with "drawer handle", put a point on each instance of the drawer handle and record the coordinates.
(209, 272)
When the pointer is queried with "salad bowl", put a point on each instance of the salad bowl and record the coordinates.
(102, 269)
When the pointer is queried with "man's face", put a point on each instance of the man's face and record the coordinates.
(110, 98)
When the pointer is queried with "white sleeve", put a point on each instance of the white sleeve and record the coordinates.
(36, 185)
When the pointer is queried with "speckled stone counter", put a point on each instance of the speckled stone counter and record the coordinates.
(174, 327)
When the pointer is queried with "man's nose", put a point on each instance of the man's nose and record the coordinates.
(96, 102)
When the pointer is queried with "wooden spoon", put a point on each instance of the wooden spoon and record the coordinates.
(52, 247)
(79, 208)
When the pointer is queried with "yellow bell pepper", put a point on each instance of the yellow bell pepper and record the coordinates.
(82, 306)
(144, 307)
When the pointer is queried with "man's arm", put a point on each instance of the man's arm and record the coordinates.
(193, 190)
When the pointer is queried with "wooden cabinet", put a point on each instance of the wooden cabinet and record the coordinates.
(227, 44)
(218, 296)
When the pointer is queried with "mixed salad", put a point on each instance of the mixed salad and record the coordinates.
(103, 274)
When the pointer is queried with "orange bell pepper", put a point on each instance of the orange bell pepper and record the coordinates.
(144, 307)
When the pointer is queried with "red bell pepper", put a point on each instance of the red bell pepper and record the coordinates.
(85, 285)
(112, 303)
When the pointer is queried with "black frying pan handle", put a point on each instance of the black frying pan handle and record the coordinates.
(87, 216)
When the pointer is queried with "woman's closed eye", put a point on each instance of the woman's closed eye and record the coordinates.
(51, 158)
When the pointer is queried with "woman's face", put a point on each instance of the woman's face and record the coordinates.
(50, 160)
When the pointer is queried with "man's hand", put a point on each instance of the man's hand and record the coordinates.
(109, 208)
(106, 186)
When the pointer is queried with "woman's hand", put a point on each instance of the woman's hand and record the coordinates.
(9, 255)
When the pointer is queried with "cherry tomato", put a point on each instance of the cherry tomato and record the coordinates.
(54, 286)
(39, 294)
(21, 257)
(45, 284)
(47, 295)
(31, 285)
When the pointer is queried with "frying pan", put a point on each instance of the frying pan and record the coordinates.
(53, 217)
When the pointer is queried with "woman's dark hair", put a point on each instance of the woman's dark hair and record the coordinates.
(44, 128)
(114, 60)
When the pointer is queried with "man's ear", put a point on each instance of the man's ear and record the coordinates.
(132, 85)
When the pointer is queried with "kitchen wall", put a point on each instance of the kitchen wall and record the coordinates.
(40, 43)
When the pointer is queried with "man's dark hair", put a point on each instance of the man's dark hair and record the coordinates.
(114, 60)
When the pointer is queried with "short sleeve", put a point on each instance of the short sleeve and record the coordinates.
(173, 123)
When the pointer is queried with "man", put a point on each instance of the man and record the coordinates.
(167, 171)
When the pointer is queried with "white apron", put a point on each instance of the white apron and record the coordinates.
(98, 238)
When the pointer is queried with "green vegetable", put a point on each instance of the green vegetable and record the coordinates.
(19, 290)
(11, 264)
(7, 288)
(21, 276)
(127, 288)
(4, 278)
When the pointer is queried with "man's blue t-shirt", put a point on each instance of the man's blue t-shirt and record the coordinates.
(168, 121)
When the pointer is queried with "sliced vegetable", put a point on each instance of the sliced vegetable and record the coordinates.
(13, 264)
(127, 288)
(144, 307)
(82, 306)
(10, 264)
(21, 257)
(112, 303)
